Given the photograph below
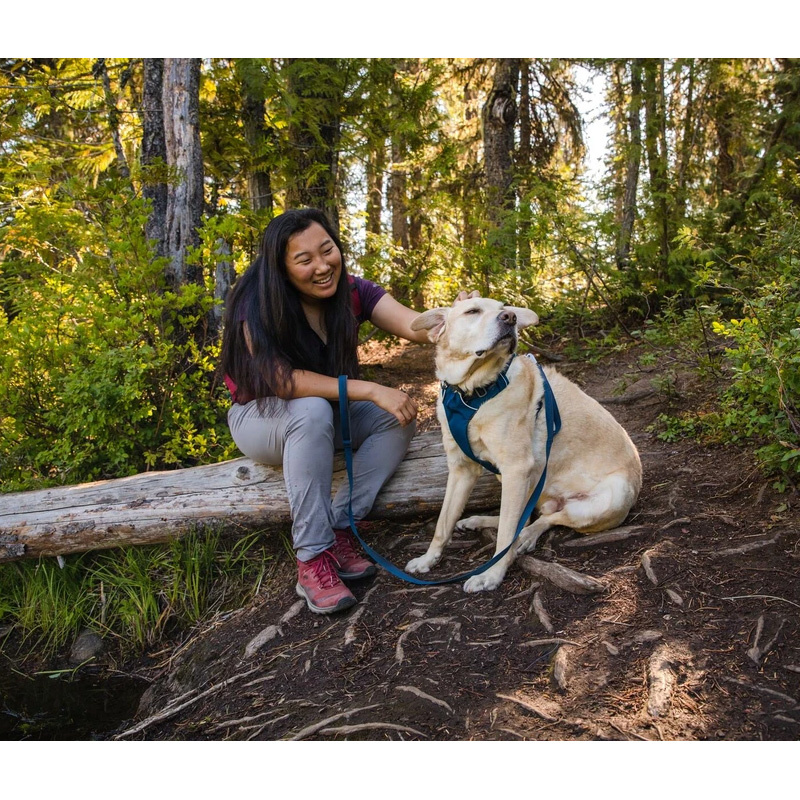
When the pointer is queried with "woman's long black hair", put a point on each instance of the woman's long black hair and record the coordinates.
(265, 299)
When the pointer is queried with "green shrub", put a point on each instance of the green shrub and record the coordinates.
(102, 371)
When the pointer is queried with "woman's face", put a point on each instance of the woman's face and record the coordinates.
(313, 264)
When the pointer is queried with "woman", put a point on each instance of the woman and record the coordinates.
(291, 329)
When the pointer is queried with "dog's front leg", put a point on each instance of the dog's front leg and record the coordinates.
(516, 491)
(461, 477)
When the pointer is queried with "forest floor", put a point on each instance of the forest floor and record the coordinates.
(695, 637)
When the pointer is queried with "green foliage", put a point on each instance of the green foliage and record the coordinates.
(100, 375)
(138, 594)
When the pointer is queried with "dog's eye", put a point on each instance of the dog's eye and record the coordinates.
(473, 311)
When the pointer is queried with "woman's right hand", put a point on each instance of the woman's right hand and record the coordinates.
(397, 403)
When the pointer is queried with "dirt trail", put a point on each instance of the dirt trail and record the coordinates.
(696, 636)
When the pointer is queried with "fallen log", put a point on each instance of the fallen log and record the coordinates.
(159, 506)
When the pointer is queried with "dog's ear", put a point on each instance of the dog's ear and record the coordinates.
(431, 321)
(525, 317)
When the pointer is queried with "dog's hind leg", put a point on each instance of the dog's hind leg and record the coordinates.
(605, 507)
(461, 477)
(478, 524)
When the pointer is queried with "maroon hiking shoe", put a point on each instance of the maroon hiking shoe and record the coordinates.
(351, 564)
(321, 587)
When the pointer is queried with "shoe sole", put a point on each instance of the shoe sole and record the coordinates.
(354, 576)
(342, 605)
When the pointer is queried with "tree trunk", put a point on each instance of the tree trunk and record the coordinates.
(224, 276)
(313, 132)
(525, 165)
(499, 116)
(376, 164)
(655, 140)
(101, 71)
(632, 163)
(181, 100)
(256, 134)
(160, 506)
(154, 152)
(687, 143)
(398, 196)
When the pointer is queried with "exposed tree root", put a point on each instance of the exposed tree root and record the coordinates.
(350, 633)
(344, 730)
(757, 652)
(400, 653)
(425, 696)
(548, 710)
(176, 706)
(538, 608)
(606, 537)
(660, 682)
(749, 547)
(561, 668)
(272, 631)
(310, 730)
(647, 566)
(674, 597)
(762, 690)
(561, 576)
(626, 399)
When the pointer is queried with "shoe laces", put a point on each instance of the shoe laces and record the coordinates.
(323, 568)
(345, 545)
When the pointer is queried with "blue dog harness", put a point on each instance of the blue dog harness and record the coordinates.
(459, 410)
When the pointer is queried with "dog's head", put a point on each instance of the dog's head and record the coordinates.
(474, 339)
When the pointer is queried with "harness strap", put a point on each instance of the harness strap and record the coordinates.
(553, 423)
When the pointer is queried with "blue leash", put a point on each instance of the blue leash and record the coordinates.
(553, 423)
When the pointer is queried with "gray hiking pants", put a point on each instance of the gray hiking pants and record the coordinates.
(302, 434)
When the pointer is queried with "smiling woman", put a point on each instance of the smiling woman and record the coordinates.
(291, 329)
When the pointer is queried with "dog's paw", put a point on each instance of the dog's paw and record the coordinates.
(486, 582)
(422, 564)
(525, 545)
(475, 524)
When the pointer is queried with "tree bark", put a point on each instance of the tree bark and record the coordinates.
(101, 71)
(632, 164)
(376, 163)
(181, 99)
(657, 158)
(154, 152)
(525, 165)
(256, 134)
(499, 115)
(313, 133)
(160, 506)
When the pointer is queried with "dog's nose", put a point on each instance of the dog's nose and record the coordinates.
(507, 316)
